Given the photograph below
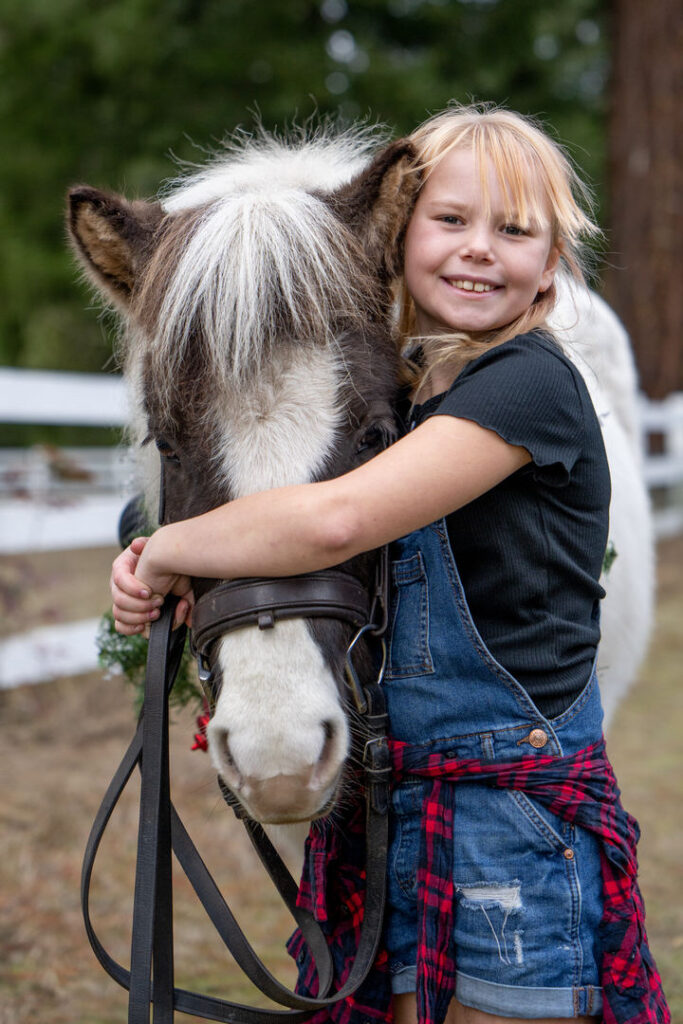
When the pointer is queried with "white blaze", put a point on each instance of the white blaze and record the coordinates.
(277, 690)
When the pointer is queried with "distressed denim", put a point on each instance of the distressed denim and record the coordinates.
(528, 885)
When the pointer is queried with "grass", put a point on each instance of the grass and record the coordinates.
(62, 742)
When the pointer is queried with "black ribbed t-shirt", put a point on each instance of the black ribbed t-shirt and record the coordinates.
(529, 552)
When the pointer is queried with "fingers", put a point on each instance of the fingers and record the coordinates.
(133, 622)
(123, 573)
(137, 545)
(123, 598)
(137, 623)
(134, 606)
(183, 612)
(126, 630)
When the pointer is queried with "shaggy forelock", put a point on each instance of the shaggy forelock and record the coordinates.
(320, 161)
(252, 256)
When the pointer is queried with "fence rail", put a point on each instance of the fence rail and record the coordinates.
(54, 477)
(57, 397)
(662, 440)
(45, 472)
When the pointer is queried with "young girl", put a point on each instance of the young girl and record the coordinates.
(499, 493)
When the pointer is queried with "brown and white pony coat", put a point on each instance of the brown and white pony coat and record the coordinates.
(258, 343)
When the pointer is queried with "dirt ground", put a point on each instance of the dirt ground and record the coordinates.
(62, 741)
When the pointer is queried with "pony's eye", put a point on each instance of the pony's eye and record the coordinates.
(373, 438)
(166, 451)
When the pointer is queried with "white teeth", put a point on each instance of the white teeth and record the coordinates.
(474, 286)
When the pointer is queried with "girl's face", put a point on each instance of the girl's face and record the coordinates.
(468, 266)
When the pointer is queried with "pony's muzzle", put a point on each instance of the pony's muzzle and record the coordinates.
(281, 798)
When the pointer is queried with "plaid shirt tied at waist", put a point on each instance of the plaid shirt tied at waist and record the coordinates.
(580, 789)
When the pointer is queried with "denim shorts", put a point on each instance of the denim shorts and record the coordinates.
(528, 890)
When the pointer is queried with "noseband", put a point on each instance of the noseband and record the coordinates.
(327, 594)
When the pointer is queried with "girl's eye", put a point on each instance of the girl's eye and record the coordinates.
(513, 229)
(451, 218)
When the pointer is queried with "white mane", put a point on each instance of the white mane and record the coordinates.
(317, 163)
(263, 258)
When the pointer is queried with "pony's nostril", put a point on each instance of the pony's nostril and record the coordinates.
(329, 729)
(327, 754)
(229, 759)
(223, 759)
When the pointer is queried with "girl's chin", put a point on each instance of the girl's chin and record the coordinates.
(476, 316)
(474, 322)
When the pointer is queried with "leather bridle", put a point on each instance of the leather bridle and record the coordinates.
(330, 593)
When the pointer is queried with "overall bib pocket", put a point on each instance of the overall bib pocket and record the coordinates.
(409, 653)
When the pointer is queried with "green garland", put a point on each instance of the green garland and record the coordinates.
(608, 560)
(128, 654)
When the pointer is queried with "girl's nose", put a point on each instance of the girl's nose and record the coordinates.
(476, 244)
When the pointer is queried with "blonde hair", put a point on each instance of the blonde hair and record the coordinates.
(536, 177)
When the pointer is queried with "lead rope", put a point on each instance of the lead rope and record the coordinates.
(150, 979)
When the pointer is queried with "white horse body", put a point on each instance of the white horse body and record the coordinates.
(597, 343)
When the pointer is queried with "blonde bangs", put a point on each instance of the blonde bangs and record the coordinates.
(535, 176)
(524, 203)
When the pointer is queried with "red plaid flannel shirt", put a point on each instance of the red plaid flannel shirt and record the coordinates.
(581, 789)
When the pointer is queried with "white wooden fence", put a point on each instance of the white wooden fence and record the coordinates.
(93, 483)
(662, 438)
(65, 498)
(53, 498)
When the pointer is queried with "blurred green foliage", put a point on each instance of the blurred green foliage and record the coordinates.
(104, 91)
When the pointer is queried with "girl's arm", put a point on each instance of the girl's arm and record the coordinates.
(440, 466)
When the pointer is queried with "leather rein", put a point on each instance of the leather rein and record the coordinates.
(330, 593)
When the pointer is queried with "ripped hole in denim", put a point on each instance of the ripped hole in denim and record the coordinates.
(496, 901)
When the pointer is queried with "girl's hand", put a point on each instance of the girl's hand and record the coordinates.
(138, 590)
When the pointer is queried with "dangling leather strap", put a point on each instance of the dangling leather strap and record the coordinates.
(161, 828)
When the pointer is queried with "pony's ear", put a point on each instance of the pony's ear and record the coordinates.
(111, 237)
(378, 203)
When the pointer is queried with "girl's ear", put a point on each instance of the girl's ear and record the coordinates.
(548, 275)
(377, 205)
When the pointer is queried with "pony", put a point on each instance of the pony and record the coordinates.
(594, 338)
(256, 297)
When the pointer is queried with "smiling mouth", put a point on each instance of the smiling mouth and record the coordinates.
(465, 285)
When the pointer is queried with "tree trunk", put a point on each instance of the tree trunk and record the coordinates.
(644, 281)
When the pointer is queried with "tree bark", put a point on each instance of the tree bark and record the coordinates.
(644, 281)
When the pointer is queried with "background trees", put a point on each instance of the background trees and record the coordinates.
(106, 90)
(643, 278)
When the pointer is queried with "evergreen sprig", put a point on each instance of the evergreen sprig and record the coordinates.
(128, 655)
(608, 560)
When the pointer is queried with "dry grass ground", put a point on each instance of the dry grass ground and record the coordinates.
(62, 742)
(646, 748)
(43, 588)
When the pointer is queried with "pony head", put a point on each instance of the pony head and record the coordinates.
(258, 343)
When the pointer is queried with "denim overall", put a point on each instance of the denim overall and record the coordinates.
(528, 885)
